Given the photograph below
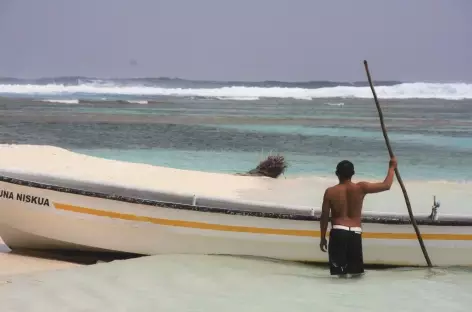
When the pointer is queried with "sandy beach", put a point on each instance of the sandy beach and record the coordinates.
(63, 163)
(15, 264)
(293, 191)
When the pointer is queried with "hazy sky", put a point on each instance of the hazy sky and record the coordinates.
(410, 40)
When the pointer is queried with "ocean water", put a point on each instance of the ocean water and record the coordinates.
(229, 127)
(182, 124)
(212, 283)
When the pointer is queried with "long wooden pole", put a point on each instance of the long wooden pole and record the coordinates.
(397, 173)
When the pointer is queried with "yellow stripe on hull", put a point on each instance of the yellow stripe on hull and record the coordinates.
(254, 230)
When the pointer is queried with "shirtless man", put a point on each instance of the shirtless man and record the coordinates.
(344, 201)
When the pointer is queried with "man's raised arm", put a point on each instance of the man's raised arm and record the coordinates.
(370, 188)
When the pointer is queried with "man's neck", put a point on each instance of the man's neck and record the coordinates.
(346, 181)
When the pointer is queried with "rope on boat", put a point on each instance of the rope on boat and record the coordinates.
(397, 173)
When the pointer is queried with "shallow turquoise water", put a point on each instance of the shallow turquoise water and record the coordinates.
(204, 283)
(299, 165)
(431, 138)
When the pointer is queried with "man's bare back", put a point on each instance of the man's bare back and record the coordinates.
(344, 201)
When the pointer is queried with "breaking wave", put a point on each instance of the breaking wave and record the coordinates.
(62, 101)
(419, 90)
(79, 101)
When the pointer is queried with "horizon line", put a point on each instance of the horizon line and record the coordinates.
(165, 78)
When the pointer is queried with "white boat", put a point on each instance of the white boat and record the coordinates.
(50, 212)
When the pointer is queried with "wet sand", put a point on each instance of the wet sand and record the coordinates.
(12, 263)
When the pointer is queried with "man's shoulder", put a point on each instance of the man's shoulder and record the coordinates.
(362, 184)
(340, 188)
(331, 189)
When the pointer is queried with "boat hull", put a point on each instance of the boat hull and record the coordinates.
(52, 218)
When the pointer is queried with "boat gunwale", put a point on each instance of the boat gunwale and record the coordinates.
(198, 208)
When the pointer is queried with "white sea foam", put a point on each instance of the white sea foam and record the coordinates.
(137, 102)
(62, 101)
(448, 91)
(238, 98)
